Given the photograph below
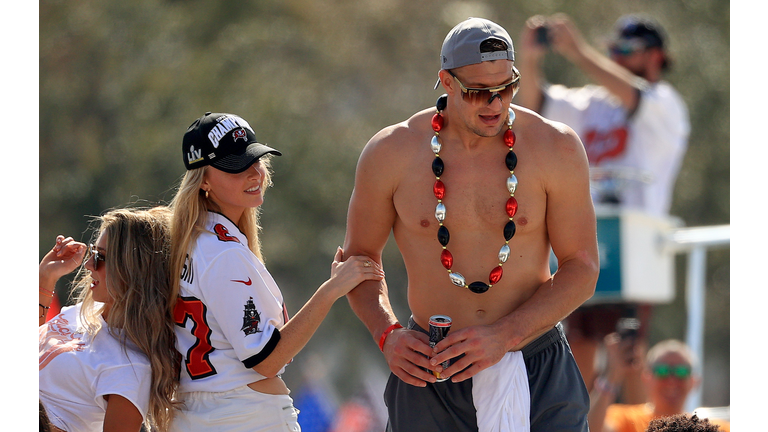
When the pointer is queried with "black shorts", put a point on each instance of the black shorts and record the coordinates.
(559, 399)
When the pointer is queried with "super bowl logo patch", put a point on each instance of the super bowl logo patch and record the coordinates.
(251, 318)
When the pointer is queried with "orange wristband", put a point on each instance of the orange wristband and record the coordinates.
(386, 333)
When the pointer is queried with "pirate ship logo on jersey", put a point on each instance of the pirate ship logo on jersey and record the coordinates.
(251, 318)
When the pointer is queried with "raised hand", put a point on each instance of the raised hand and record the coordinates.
(65, 256)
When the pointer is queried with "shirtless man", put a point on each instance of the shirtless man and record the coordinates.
(512, 364)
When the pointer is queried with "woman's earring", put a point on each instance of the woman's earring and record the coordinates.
(206, 194)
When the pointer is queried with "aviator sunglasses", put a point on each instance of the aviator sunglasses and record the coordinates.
(479, 96)
(661, 370)
(98, 257)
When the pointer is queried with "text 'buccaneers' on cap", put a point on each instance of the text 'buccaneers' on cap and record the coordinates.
(223, 141)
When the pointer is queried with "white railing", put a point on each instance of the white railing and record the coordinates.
(695, 242)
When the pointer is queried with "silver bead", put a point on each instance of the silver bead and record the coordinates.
(511, 117)
(436, 146)
(512, 184)
(440, 212)
(457, 279)
(504, 253)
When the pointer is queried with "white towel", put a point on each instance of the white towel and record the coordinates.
(501, 396)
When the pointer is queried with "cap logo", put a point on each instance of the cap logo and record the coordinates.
(194, 155)
(226, 124)
(240, 133)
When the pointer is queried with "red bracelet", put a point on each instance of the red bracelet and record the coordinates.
(386, 333)
(46, 291)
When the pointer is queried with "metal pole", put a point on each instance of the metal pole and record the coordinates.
(695, 301)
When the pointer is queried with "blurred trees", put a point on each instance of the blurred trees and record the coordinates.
(121, 81)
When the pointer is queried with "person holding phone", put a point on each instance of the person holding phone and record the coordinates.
(669, 375)
(634, 126)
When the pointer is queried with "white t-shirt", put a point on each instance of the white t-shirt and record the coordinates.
(78, 370)
(648, 144)
(229, 311)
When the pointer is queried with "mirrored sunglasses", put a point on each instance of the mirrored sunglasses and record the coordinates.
(661, 370)
(480, 96)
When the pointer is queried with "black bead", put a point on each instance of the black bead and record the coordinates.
(443, 236)
(509, 230)
(442, 102)
(478, 287)
(438, 166)
(511, 160)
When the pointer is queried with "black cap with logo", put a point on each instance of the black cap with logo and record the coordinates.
(223, 141)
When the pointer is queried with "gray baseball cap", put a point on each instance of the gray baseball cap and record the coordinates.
(461, 46)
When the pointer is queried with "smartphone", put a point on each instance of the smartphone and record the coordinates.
(628, 328)
(542, 35)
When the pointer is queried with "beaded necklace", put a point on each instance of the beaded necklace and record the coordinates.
(443, 236)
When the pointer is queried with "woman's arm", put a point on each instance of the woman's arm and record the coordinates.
(294, 335)
(122, 415)
(65, 256)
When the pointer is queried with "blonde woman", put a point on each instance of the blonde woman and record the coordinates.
(233, 330)
(109, 362)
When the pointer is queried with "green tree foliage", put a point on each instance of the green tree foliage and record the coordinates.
(120, 81)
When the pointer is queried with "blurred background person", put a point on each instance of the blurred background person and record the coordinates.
(634, 126)
(670, 373)
(109, 362)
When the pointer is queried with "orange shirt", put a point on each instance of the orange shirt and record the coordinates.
(636, 418)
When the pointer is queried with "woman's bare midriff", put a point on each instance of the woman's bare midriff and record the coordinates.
(273, 386)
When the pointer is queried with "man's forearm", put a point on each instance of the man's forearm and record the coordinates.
(370, 302)
(619, 81)
(572, 285)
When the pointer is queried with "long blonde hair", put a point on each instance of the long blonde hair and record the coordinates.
(138, 282)
(190, 209)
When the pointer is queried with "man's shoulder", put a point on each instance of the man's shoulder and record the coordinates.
(546, 130)
(399, 137)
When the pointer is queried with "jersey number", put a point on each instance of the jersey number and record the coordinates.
(196, 360)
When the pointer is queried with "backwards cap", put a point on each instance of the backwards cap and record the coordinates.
(461, 46)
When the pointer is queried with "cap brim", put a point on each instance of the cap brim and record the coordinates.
(235, 163)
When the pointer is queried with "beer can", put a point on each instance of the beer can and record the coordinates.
(439, 325)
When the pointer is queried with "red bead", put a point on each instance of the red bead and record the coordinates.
(496, 275)
(511, 206)
(447, 259)
(437, 122)
(439, 190)
(509, 137)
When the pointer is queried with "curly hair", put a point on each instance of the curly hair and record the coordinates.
(682, 423)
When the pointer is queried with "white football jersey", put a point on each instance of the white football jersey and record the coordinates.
(229, 311)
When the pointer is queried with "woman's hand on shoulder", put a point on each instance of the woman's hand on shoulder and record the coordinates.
(65, 256)
(346, 275)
